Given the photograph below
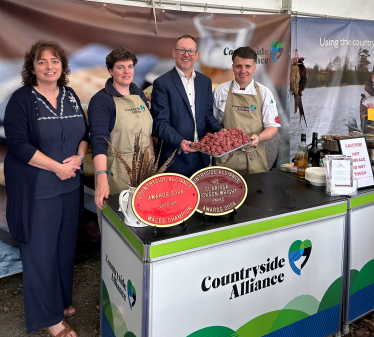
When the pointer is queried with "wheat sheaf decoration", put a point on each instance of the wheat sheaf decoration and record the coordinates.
(143, 166)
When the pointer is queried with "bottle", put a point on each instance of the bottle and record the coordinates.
(302, 151)
(314, 154)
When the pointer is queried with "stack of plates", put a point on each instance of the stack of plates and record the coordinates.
(316, 176)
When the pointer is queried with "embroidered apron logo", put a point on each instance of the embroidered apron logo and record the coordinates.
(142, 107)
(253, 107)
(241, 108)
(136, 110)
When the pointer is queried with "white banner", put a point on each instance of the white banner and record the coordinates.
(231, 286)
(122, 286)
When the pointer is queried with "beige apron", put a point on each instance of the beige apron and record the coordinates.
(132, 115)
(238, 113)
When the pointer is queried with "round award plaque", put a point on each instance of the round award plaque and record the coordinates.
(221, 190)
(165, 200)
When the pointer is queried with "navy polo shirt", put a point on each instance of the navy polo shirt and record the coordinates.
(60, 132)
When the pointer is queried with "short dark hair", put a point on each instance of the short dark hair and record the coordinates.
(245, 53)
(186, 36)
(35, 53)
(120, 54)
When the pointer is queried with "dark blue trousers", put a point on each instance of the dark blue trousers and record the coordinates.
(48, 260)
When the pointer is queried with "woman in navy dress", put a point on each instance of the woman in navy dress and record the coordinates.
(47, 137)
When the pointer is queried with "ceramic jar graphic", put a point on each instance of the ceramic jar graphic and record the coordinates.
(218, 38)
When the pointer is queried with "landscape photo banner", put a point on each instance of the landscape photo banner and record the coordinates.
(339, 58)
(90, 30)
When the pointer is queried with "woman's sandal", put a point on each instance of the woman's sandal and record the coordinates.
(71, 313)
(63, 333)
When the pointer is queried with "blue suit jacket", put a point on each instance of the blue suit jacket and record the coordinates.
(173, 120)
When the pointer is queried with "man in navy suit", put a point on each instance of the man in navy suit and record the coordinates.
(182, 110)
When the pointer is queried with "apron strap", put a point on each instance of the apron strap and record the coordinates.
(247, 153)
(231, 86)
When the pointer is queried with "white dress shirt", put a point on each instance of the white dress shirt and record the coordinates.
(269, 110)
(189, 86)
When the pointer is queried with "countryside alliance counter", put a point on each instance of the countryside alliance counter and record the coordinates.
(359, 293)
(275, 269)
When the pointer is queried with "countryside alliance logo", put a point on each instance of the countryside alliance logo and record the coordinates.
(257, 277)
(120, 283)
(248, 279)
(142, 107)
(276, 50)
(253, 107)
(299, 249)
(131, 294)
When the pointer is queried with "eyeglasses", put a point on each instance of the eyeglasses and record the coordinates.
(182, 51)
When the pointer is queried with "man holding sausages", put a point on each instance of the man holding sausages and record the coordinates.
(250, 106)
(182, 109)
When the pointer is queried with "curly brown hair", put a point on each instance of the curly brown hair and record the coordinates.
(34, 54)
(120, 54)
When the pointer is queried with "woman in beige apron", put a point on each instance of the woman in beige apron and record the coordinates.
(244, 111)
(117, 113)
(130, 119)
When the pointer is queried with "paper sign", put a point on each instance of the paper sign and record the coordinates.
(357, 149)
(342, 182)
(341, 172)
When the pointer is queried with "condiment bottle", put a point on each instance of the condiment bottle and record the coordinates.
(302, 151)
(314, 153)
